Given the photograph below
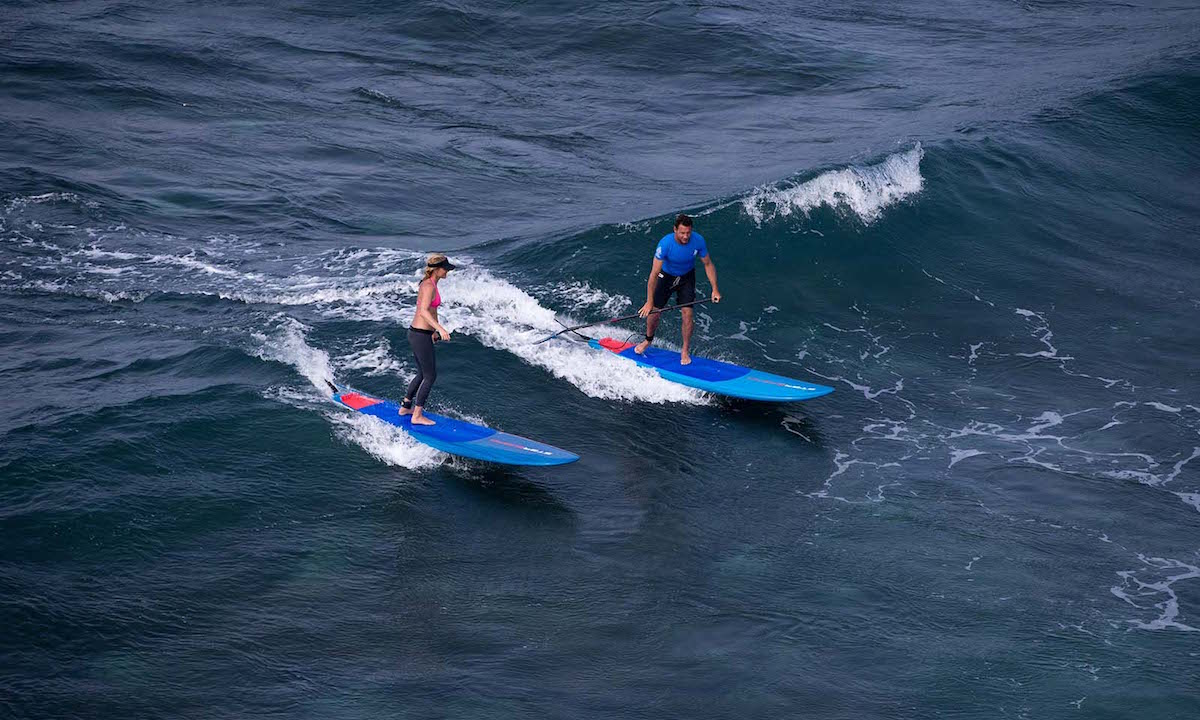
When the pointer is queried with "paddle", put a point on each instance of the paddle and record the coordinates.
(580, 335)
(573, 328)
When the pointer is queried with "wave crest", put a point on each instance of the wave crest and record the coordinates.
(863, 191)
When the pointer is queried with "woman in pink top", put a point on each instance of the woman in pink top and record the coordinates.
(421, 337)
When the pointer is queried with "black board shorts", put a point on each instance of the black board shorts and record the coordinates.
(684, 287)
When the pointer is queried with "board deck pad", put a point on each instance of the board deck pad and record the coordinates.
(459, 437)
(716, 376)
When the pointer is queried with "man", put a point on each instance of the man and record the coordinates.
(674, 270)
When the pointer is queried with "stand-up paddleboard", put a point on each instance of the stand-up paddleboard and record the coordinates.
(715, 376)
(457, 437)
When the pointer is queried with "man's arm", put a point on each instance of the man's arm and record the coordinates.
(651, 282)
(711, 271)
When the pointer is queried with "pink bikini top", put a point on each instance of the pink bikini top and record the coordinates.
(437, 298)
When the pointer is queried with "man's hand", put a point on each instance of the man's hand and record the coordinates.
(716, 295)
(645, 311)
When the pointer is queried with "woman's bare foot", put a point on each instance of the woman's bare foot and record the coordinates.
(405, 411)
(685, 358)
(418, 418)
(640, 348)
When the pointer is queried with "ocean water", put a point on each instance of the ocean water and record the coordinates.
(979, 222)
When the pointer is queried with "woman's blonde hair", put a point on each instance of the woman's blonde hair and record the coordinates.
(432, 260)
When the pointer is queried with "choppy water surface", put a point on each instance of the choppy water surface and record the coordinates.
(978, 222)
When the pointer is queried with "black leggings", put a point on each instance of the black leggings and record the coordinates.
(421, 342)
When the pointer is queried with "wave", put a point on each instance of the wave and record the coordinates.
(361, 284)
(862, 191)
(20, 202)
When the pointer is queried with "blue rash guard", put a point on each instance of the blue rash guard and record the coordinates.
(680, 259)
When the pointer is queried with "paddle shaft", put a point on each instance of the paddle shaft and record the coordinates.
(623, 317)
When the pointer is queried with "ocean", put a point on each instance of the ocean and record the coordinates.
(978, 221)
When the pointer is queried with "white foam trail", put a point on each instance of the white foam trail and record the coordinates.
(580, 295)
(386, 442)
(96, 253)
(1192, 499)
(288, 345)
(1047, 419)
(62, 288)
(1168, 607)
(843, 463)
(191, 262)
(378, 360)
(1043, 327)
(1146, 477)
(382, 441)
(364, 302)
(505, 317)
(70, 197)
(958, 456)
(863, 191)
(381, 284)
(105, 270)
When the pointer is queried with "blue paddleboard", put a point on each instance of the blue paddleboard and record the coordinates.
(715, 376)
(458, 437)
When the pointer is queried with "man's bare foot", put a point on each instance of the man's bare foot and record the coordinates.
(685, 358)
(420, 419)
(640, 348)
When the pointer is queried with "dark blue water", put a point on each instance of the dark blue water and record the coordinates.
(977, 221)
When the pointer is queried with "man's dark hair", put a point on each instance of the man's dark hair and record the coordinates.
(683, 219)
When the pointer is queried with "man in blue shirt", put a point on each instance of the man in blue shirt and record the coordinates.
(674, 271)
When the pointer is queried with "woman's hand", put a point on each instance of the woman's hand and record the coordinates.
(444, 333)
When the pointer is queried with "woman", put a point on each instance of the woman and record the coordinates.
(421, 337)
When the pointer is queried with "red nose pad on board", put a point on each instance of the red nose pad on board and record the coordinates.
(615, 345)
(358, 402)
